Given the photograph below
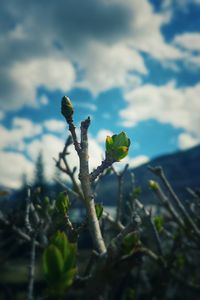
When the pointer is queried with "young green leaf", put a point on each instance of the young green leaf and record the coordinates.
(62, 203)
(159, 222)
(60, 240)
(117, 146)
(53, 263)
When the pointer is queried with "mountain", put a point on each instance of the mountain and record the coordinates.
(181, 168)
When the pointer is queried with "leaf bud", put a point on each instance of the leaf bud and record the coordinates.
(67, 108)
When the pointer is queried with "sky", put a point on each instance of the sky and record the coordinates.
(130, 65)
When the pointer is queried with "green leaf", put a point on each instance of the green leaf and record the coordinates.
(99, 210)
(70, 260)
(68, 277)
(117, 146)
(121, 140)
(62, 203)
(60, 240)
(53, 263)
(120, 153)
(158, 222)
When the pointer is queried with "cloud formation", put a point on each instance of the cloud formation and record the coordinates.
(59, 45)
(186, 140)
(166, 103)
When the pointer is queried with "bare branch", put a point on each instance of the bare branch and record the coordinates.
(160, 173)
(87, 190)
(100, 169)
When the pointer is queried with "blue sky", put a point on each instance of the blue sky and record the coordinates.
(131, 65)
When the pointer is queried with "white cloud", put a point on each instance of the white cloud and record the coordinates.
(132, 162)
(55, 125)
(102, 39)
(96, 153)
(44, 100)
(27, 127)
(167, 104)
(21, 129)
(110, 67)
(51, 145)
(137, 161)
(86, 105)
(189, 41)
(186, 140)
(51, 72)
(13, 165)
(102, 134)
(146, 33)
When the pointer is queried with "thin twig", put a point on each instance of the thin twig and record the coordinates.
(160, 173)
(27, 211)
(164, 200)
(152, 226)
(112, 221)
(100, 169)
(68, 189)
(17, 230)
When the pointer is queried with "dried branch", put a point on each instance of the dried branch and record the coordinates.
(17, 230)
(68, 189)
(165, 201)
(115, 245)
(151, 227)
(112, 221)
(82, 151)
(158, 171)
(100, 169)
(67, 170)
(27, 211)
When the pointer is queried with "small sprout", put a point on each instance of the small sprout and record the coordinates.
(67, 109)
(59, 263)
(153, 185)
(158, 222)
(99, 210)
(117, 146)
(62, 203)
